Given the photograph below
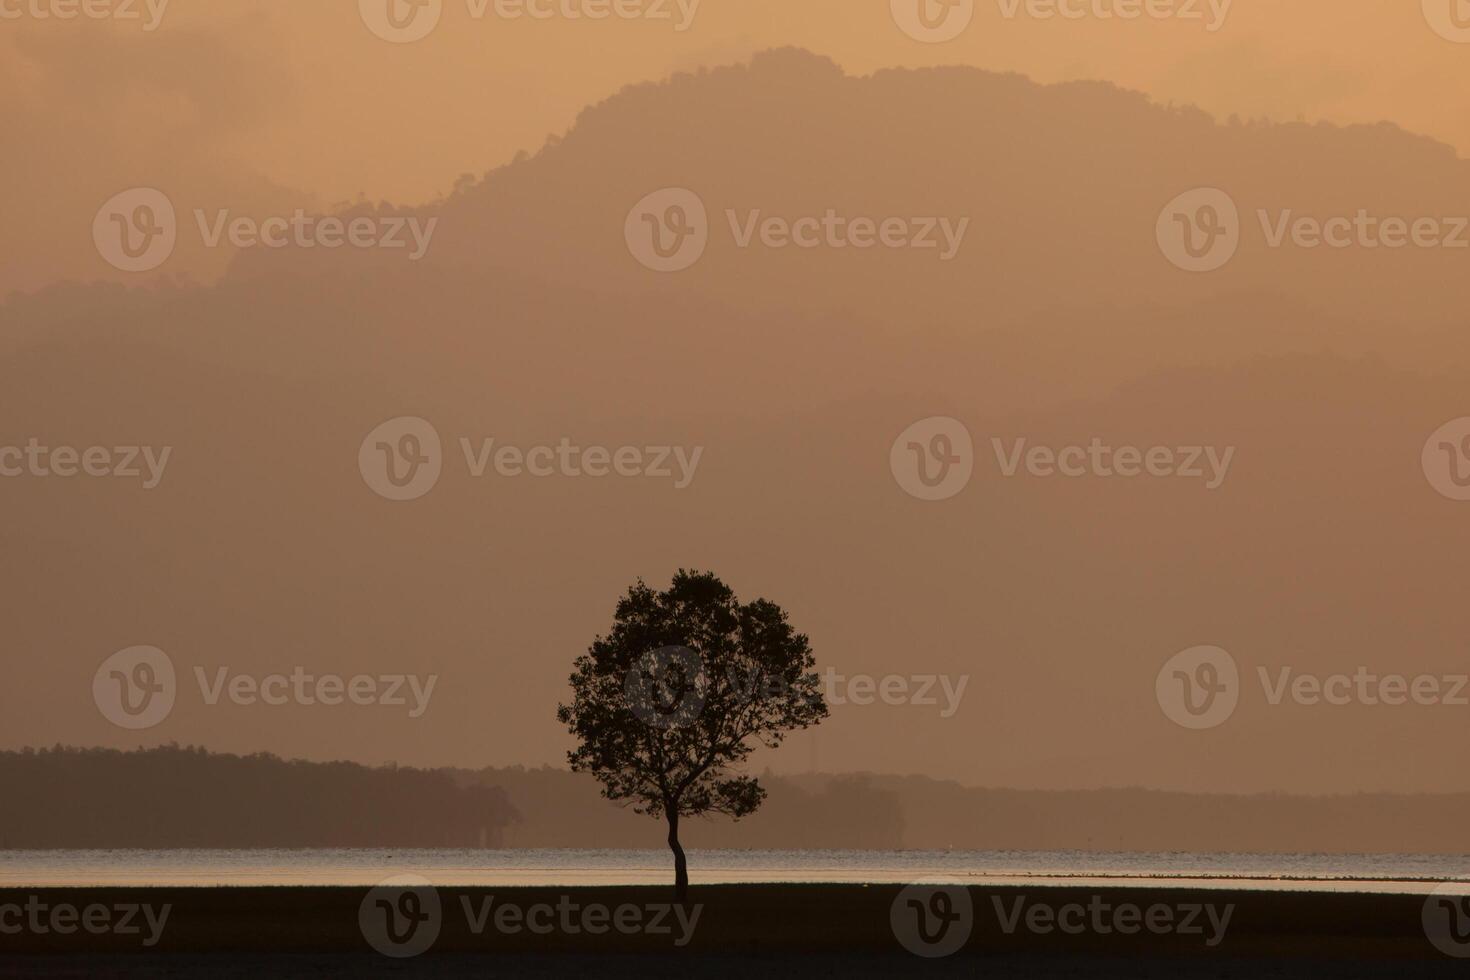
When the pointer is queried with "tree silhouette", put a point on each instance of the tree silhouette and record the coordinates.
(680, 692)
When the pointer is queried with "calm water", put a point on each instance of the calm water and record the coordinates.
(1408, 873)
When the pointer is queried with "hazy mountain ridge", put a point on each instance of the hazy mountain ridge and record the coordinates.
(1068, 177)
(186, 797)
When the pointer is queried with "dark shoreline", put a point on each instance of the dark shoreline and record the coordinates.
(816, 930)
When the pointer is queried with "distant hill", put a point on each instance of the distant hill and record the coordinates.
(176, 797)
(864, 811)
(1063, 185)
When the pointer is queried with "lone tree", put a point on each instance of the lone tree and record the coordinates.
(680, 692)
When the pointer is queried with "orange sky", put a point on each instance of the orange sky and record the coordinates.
(301, 104)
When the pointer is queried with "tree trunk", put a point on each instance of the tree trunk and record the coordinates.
(681, 866)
